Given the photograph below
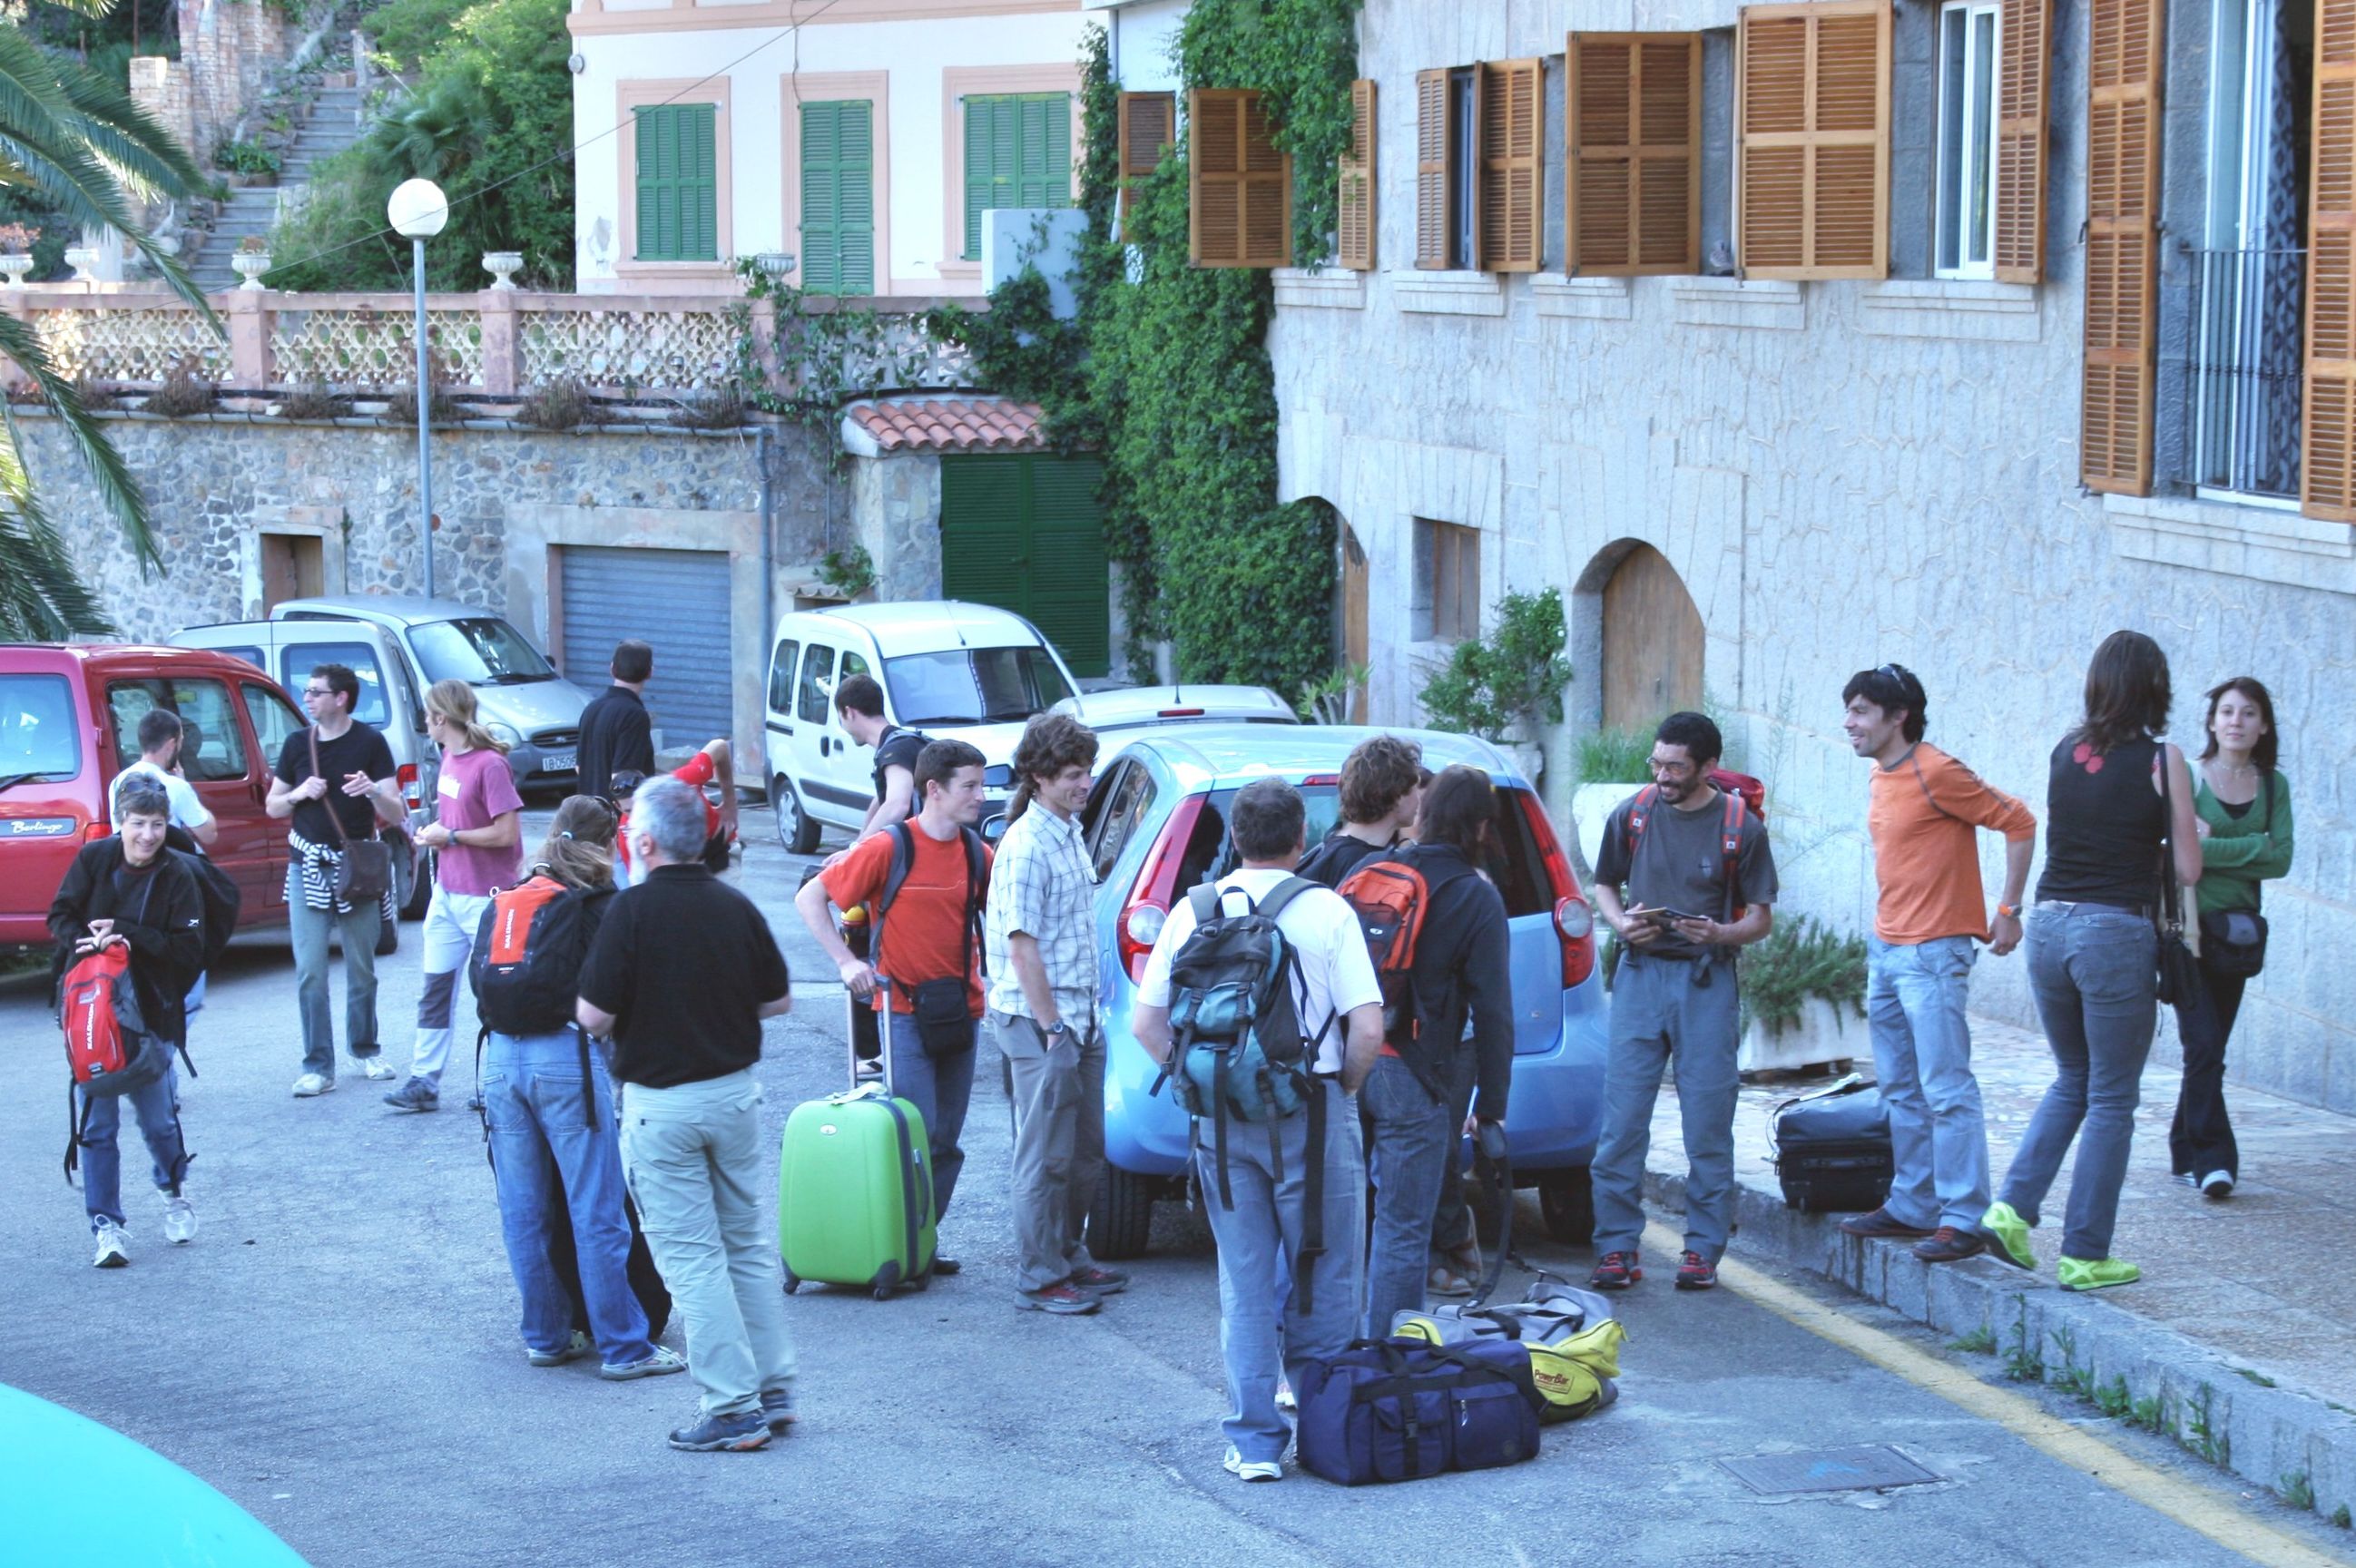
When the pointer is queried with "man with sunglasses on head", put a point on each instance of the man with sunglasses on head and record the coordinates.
(1926, 815)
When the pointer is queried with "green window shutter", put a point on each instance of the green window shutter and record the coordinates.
(678, 182)
(837, 197)
(979, 142)
(1018, 153)
(1069, 578)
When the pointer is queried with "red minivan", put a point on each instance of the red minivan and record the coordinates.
(69, 721)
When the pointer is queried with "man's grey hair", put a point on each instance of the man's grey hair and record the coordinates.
(670, 812)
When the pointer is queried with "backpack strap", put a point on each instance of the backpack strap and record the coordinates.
(1730, 846)
(1283, 894)
(1640, 812)
(1203, 898)
(1312, 1200)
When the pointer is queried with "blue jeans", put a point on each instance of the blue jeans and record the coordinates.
(157, 1106)
(1412, 1151)
(546, 1141)
(360, 926)
(940, 1087)
(1669, 1013)
(2091, 968)
(1915, 997)
(1258, 1236)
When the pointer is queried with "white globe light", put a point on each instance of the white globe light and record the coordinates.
(418, 210)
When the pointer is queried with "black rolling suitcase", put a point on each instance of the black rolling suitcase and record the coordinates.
(1831, 1149)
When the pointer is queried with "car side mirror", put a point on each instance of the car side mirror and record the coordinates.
(993, 828)
(998, 775)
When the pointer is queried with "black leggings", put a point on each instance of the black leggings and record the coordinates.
(2201, 1140)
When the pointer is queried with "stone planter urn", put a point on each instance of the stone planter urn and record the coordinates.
(1825, 1032)
(83, 260)
(503, 265)
(15, 268)
(1590, 806)
(249, 265)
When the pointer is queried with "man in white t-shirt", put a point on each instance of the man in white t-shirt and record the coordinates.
(159, 749)
(1267, 1167)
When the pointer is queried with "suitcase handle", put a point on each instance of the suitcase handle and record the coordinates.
(883, 1031)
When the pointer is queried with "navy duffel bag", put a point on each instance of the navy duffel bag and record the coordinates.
(1395, 1410)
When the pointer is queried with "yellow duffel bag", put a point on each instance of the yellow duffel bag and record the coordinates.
(1573, 1340)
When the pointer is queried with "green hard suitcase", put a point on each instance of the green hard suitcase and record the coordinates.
(855, 1192)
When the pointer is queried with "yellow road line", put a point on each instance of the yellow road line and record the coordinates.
(2189, 1504)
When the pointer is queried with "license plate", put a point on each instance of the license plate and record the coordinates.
(559, 762)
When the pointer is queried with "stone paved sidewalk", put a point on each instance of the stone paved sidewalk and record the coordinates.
(2241, 1311)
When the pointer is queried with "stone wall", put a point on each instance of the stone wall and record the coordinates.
(1842, 473)
(226, 51)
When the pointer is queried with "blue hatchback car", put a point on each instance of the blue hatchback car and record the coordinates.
(1155, 825)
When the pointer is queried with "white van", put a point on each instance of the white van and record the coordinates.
(954, 670)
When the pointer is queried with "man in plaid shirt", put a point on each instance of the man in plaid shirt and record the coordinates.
(1039, 939)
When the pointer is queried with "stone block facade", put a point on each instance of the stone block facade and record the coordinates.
(1841, 473)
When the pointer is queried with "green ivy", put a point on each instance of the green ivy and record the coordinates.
(1302, 55)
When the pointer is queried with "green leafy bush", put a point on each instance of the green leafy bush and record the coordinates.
(1615, 754)
(1800, 959)
(244, 156)
(849, 571)
(1508, 682)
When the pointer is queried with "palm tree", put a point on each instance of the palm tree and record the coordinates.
(77, 139)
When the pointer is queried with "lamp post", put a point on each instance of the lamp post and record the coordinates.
(417, 212)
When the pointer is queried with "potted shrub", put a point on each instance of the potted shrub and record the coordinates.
(1802, 993)
(1506, 687)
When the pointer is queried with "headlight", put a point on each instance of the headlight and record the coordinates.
(504, 734)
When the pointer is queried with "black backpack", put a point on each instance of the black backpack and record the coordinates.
(526, 966)
(221, 898)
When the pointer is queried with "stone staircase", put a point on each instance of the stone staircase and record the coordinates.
(333, 125)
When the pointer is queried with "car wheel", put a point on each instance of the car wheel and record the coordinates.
(413, 871)
(1566, 1201)
(795, 832)
(1120, 1224)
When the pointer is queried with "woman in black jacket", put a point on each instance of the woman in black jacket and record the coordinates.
(130, 891)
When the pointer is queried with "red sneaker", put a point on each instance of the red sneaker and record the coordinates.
(1615, 1271)
(1693, 1273)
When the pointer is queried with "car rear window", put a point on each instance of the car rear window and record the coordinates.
(37, 735)
(1517, 868)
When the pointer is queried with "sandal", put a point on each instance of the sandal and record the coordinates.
(1445, 1281)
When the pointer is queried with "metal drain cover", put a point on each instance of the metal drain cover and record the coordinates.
(1868, 1467)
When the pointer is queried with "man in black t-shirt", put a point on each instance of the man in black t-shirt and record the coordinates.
(680, 975)
(617, 735)
(341, 766)
(1381, 789)
(859, 701)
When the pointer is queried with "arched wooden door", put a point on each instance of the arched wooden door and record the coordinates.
(1652, 642)
(1355, 646)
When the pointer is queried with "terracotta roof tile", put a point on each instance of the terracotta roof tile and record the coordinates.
(952, 425)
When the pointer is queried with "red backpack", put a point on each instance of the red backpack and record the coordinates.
(1391, 897)
(1743, 794)
(108, 1045)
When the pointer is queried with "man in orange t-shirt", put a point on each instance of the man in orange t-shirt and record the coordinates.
(1925, 813)
(926, 947)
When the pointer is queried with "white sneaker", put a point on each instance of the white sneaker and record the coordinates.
(1244, 1469)
(311, 1084)
(179, 1221)
(376, 1068)
(113, 1252)
(2217, 1184)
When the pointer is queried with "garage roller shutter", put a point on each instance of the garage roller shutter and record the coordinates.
(677, 601)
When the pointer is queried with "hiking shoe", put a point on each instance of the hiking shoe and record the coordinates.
(2217, 1184)
(946, 1266)
(2096, 1273)
(1696, 1273)
(574, 1349)
(1951, 1244)
(112, 1250)
(662, 1363)
(313, 1084)
(376, 1068)
(723, 1434)
(2007, 1236)
(1880, 1222)
(778, 1410)
(1615, 1271)
(1100, 1280)
(413, 1095)
(1062, 1299)
(1244, 1469)
(179, 1219)
(1284, 1400)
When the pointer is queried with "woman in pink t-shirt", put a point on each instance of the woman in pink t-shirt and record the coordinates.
(477, 836)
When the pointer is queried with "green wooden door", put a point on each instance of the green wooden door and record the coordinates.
(1023, 532)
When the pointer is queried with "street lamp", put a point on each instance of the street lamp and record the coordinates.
(417, 212)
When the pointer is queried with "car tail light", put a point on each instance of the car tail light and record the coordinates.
(1315, 779)
(1155, 888)
(1574, 922)
(410, 791)
(97, 830)
(1180, 713)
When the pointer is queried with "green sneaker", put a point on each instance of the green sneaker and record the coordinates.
(2099, 1274)
(2007, 1236)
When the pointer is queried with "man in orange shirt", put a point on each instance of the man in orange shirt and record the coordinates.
(1925, 813)
(926, 945)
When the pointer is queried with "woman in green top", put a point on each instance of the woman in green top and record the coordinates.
(2244, 806)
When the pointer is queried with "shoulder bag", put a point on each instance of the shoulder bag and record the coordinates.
(365, 871)
(2178, 977)
(2233, 940)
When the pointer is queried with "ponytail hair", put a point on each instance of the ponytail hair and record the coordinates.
(454, 701)
(1051, 743)
(578, 848)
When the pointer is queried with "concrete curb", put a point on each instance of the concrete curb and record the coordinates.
(2240, 1418)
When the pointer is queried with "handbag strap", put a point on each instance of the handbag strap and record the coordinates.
(2171, 913)
(335, 817)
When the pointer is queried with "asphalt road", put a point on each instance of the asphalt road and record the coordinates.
(337, 1352)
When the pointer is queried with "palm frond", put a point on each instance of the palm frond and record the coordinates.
(42, 598)
(117, 488)
(127, 135)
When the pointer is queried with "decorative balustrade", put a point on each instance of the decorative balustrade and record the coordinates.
(499, 343)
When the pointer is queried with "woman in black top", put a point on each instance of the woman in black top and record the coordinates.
(2117, 799)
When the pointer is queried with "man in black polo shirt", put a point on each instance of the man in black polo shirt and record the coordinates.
(616, 736)
(681, 973)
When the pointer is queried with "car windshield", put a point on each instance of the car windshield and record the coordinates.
(481, 652)
(1518, 872)
(973, 686)
(38, 739)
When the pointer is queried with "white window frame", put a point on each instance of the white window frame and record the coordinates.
(1976, 158)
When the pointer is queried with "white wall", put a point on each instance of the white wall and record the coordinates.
(1142, 38)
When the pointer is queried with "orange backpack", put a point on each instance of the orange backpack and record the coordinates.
(1391, 896)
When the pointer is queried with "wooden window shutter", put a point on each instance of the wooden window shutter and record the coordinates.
(2021, 77)
(1512, 203)
(1632, 187)
(1239, 186)
(1432, 174)
(2122, 200)
(2327, 450)
(1812, 184)
(1148, 126)
(1355, 210)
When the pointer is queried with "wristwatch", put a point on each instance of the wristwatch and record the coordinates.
(2008, 911)
(1057, 1028)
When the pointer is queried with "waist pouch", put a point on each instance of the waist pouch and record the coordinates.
(1395, 1410)
(2233, 942)
(1571, 1337)
(944, 1023)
